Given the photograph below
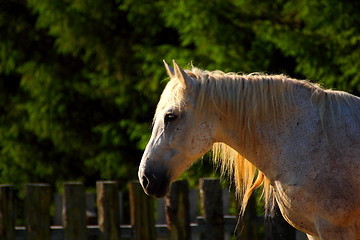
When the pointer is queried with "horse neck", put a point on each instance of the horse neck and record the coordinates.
(256, 131)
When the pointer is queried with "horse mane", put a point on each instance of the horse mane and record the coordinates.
(250, 98)
(237, 95)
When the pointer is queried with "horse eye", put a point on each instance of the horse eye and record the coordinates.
(169, 117)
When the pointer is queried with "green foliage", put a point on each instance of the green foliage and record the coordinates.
(79, 80)
(322, 36)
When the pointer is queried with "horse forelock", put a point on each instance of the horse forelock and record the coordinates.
(172, 96)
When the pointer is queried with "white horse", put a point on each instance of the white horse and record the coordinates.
(301, 142)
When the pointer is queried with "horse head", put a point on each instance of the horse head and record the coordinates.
(181, 134)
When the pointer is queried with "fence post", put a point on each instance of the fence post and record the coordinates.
(108, 209)
(142, 213)
(276, 228)
(74, 218)
(177, 211)
(7, 213)
(211, 199)
(37, 206)
(248, 229)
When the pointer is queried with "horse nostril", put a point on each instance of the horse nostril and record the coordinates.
(145, 181)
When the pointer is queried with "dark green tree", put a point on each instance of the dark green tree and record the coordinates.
(79, 80)
(76, 109)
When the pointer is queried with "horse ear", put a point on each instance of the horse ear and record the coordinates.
(183, 77)
(169, 70)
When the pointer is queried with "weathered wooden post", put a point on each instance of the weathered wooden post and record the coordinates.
(37, 215)
(7, 213)
(142, 213)
(248, 229)
(108, 209)
(74, 215)
(276, 228)
(178, 211)
(211, 199)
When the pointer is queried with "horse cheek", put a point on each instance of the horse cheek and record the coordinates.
(202, 141)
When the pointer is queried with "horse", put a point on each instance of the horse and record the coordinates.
(297, 140)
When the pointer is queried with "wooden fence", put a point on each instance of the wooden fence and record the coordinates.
(175, 218)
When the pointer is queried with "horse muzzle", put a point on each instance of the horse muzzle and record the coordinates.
(155, 183)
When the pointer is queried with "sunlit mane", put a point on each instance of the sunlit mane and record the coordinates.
(247, 99)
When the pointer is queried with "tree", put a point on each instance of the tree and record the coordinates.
(322, 36)
(318, 40)
(79, 80)
(74, 105)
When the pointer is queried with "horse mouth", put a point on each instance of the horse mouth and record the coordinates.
(155, 185)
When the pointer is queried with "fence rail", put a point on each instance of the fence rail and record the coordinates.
(175, 218)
